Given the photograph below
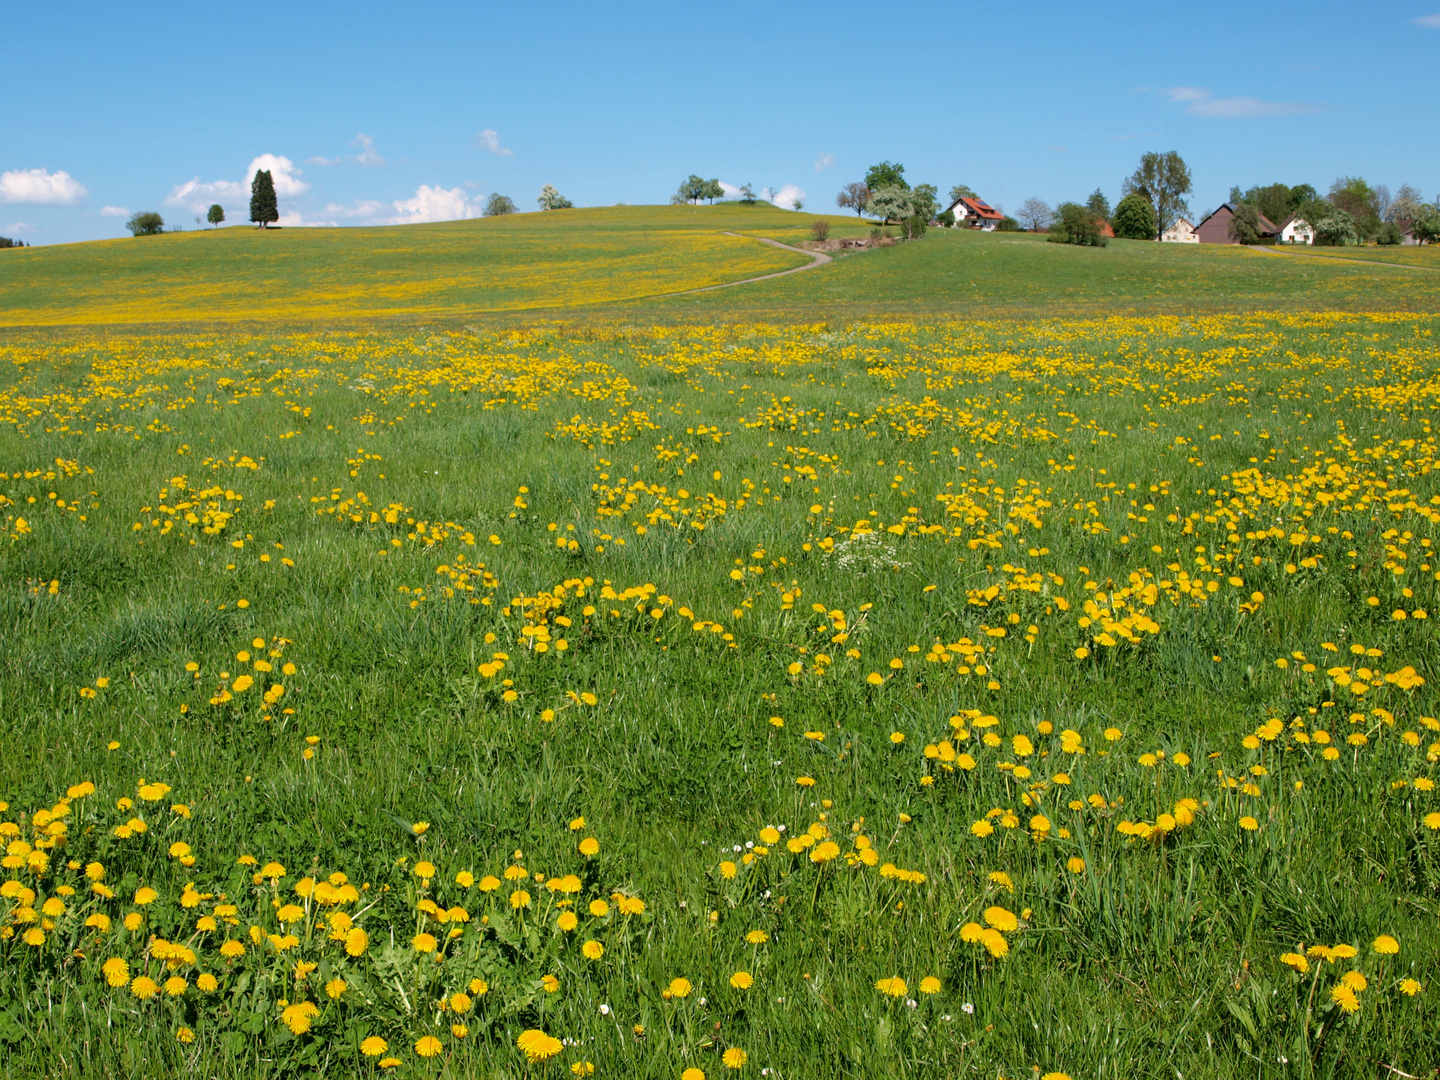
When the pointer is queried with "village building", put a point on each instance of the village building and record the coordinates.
(976, 213)
(1215, 229)
(1295, 230)
(1182, 232)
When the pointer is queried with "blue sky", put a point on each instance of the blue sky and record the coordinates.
(419, 111)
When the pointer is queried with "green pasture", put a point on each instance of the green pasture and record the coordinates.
(622, 262)
(1153, 960)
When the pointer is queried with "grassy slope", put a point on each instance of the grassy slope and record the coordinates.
(965, 273)
(577, 258)
(614, 262)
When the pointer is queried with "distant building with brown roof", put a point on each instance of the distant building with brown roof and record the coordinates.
(1215, 229)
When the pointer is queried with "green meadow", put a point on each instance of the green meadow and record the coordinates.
(429, 652)
(622, 261)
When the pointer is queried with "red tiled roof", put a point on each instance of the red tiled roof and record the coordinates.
(982, 209)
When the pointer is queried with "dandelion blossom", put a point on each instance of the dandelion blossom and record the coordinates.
(930, 985)
(1001, 919)
(1386, 945)
(1410, 987)
(1296, 961)
(742, 980)
(297, 1017)
(428, 1046)
(593, 950)
(1344, 997)
(680, 988)
(735, 1058)
(537, 1046)
(892, 987)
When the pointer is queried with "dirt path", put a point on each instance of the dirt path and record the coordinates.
(818, 258)
(1339, 258)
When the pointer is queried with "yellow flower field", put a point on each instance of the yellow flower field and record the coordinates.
(907, 699)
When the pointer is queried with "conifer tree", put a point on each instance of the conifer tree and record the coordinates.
(263, 207)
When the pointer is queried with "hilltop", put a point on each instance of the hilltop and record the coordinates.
(623, 261)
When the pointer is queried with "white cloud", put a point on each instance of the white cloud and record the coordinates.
(235, 195)
(824, 161)
(489, 139)
(787, 196)
(1430, 22)
(433, 204)
(317, 160)
(19, 227)
(114, 211)
(38, 187)
(294, 219)
(367, 155)
(360, 208)
(1187, 93)
(731, 191)
(1199, 102)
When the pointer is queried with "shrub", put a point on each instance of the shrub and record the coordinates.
(145, 223)
(1008, 224)
(947, 219)
(1075, 224)
(820, 230)
(1135, 218)
(1389, 235)
(914, 227)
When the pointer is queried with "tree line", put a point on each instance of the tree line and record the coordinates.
(1153, 199)
(6, 242)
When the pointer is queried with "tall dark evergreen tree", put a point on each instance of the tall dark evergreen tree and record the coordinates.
(263, 207)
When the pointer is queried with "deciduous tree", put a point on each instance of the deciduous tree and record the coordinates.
(1359, 200)
(886, 174)
(1336, 229)
(1165, 180)
(925, 200)
(855, 197)
(1425, 225)
(498, 205)
(1405, 205)
(1035, 214)
(216, 214)
(550, 199)
(962, 191)
(891, 204)
(1245, 225)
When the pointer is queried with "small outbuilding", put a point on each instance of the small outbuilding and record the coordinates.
(1295, 230)
(1215, 229)
(1182, 232)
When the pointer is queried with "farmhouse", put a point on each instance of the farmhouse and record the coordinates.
(1182, 232)
(1295, 230)
(976, 214)
(1215, 229)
